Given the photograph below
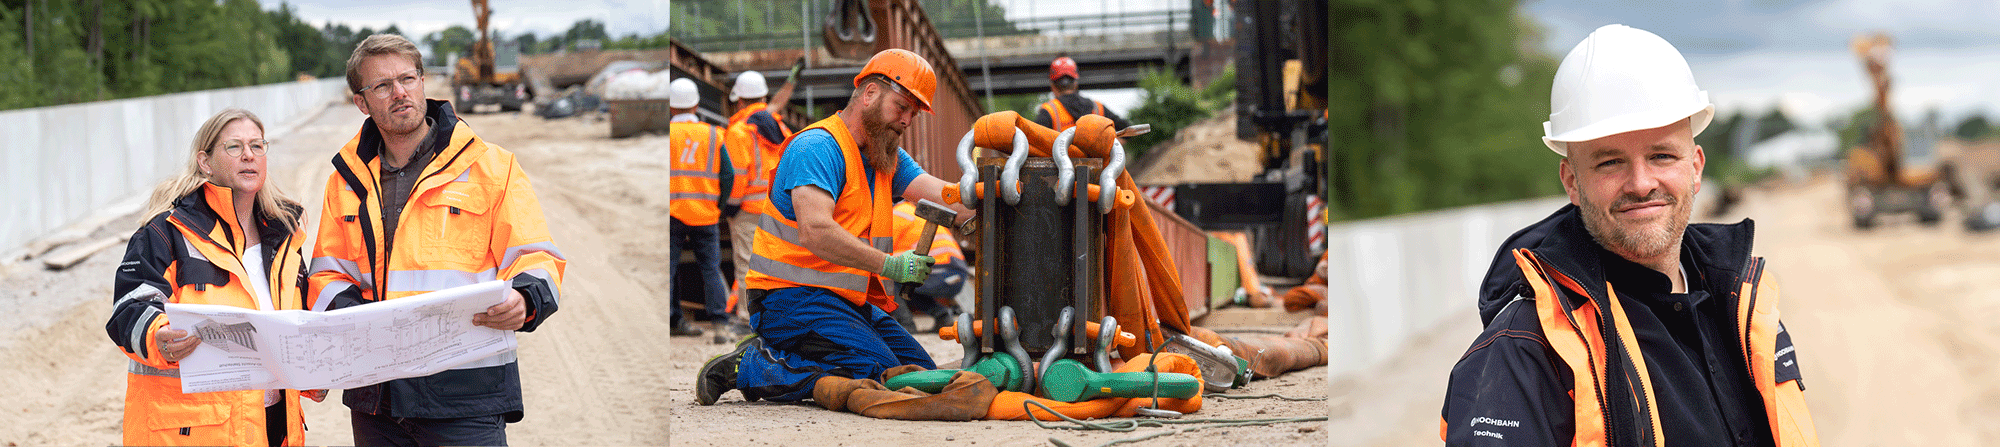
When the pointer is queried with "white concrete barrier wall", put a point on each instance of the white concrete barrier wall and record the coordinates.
(1392, 278)
(62, 162)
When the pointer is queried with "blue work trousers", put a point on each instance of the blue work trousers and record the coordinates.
(809, 333)
(706, 244)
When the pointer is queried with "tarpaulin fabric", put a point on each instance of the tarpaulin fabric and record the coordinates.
(966, 398)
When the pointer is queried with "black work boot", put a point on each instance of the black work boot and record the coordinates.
(719, 374)
(681, 327)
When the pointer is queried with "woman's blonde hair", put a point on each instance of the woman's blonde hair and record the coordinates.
(271, 202)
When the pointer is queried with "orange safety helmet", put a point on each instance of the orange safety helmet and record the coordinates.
(906, 69)
(1063, 66)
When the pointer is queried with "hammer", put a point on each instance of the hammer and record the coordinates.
(933, 215)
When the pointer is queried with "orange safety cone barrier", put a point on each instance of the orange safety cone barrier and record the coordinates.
(1012, 406)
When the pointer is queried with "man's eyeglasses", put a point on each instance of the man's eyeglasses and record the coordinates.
(235, 148)
(381, 89)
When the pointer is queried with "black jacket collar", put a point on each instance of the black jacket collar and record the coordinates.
(1720, 253)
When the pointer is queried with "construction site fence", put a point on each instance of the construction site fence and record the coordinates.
(1393, 278)
(62, 163)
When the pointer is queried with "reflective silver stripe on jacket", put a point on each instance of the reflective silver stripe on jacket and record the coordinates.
(496, 360)
(142, 369)
(434, 280)
(515, 252)
(344, 267)
(700, 174)
(806, 276)
(693, 195)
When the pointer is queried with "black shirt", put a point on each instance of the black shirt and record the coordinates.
(1699, 376)
(398, 183)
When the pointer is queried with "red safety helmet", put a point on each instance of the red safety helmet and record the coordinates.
(1063, 66)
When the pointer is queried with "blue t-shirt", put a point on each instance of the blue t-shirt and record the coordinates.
(813, 158)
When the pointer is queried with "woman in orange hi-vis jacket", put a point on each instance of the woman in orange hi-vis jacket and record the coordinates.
(220, 233)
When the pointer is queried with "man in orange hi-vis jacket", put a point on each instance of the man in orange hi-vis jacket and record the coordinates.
(418, 203)
(1613, 321)
(1066, 104)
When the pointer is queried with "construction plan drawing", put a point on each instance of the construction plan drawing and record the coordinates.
(414, 336)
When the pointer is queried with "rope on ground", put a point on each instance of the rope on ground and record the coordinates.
(1135, 424)
(1266, 396)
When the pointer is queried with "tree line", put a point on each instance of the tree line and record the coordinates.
(55, 52)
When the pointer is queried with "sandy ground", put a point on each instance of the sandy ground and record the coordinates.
(732, 421)
(601, 372)
(594, 374)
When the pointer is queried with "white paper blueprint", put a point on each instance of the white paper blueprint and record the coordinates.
(248, 349)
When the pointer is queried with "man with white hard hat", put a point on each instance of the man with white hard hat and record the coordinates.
(700, 179)
(1614, 321)
(756, 140)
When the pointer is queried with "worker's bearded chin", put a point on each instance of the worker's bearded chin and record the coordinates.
(880, 151)
(1636, 241)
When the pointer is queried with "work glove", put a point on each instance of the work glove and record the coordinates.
(907, 267)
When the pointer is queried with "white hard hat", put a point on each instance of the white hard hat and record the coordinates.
(1621, 79)
(683, 94)
(749, 84)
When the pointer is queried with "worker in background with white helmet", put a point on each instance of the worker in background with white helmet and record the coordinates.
(701, 179)
(1613, 321)
(820, 274)
(756, 139)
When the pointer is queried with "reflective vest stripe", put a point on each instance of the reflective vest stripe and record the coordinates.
(143, 370)
(435, 280)
(695, 187)
(861, 208)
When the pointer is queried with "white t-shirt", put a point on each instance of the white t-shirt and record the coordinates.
(260, 285)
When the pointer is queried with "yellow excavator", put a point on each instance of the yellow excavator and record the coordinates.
(1892, 171)
(487, 77)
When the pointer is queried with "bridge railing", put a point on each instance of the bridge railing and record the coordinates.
(1175, 23)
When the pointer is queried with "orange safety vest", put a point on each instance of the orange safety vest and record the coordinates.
(203, 267)
(1575, 336)
(861, 207)
(473, 218)
(1059, 116)
(696, 181)
(910, 229)
(755, 159)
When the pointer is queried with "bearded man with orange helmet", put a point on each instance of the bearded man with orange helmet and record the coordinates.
(1613, 321)
(821, 268)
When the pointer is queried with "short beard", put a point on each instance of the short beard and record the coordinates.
(1635, 244)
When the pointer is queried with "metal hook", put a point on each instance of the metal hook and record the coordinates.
(1010, 177)
(968, 173)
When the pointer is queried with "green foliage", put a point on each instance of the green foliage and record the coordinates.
(1440, 104)
(1170, 106)
(456, 40)
(735, 25)
(1974, 127)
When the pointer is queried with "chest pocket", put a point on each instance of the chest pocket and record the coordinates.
(196, 277)
(456, 228)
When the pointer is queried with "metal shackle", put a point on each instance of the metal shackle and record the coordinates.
(1107, 181)
(1010, 177)
(968, 173)
(1010, 335)
(1065, 172)
(1061, 346)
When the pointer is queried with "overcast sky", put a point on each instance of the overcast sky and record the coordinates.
(1754, 54)
(419, 17)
